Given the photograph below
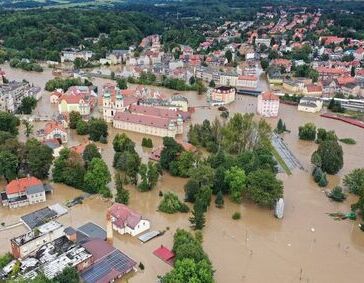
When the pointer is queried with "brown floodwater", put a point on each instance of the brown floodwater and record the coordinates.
(305, 246)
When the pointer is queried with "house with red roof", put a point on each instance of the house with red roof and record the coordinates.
(81, 99)
(22, 192)
(312, 90)
(268, 104)
(283, 63)
(53, 130)
(126, 221)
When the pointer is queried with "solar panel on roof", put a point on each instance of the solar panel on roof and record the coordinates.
(114, 261)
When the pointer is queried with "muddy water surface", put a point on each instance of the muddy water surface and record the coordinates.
(305, 246)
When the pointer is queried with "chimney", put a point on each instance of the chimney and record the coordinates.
(109, 231)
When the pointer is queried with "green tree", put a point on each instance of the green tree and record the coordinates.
(8, 123)
(128, 162)
(122, 84)
(307, 132)
(219, 201)
(149, 174)
(229, 56)
(323, 135)
(212, 84)
(97, 129)
(337, 194)
(171, 149)
(354, 181)
(74, 117)
(82, 128)
(236, 180)
(352, 71)
(198, 218)
(122, 195)
(91, 151)
(264, 188)
(68, 275)
(123, 143)
(280, 127)
(69, 168)
(331, 154)
(171, 204)
(28, 128)
(188, 271)
(185, 162)
(97, 177)
(39, 158)
(27, 105)
(147, 142)
(317, 174)
(8, 165)
(323, 181)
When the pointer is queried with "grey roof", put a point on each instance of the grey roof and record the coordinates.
(35, 189)
(92, 231)
(39, 217)
(69, 231)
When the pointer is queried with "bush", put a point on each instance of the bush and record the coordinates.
(171, 204)
(323, 181)
(348, 141)
(147, 142)
(307, 132)
(82, 128)
(236, 215)
(337, 194)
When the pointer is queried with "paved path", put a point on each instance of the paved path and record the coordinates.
(287, 156)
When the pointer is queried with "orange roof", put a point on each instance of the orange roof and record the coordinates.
(51, 126)
(267, 95)
(79, 148)
(345, 80)
(313, 88)
(20, 185)
(281, 62)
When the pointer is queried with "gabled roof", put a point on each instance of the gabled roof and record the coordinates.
(124, 216)
(268, 95)
(21, 185)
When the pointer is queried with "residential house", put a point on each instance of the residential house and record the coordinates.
(22, 192)
(283, 64)
(53, 130)
(268, 104)
(126, 221)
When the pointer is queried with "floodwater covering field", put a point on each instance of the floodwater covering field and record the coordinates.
(305, 246)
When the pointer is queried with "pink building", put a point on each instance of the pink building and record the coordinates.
(268, 104)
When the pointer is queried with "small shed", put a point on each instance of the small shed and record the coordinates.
(165, 254)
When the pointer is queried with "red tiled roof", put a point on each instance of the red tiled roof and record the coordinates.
(332, 71)
(345, 80)
(314, 88)
(281, 62)
(124, 216)
(152, 111)
(267, 95)
(146, 120)
(20, 185)
(51, 126)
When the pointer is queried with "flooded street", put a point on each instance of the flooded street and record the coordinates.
(305, 246)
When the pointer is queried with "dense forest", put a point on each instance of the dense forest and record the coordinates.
(41, 34)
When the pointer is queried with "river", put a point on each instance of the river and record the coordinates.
(305, 246)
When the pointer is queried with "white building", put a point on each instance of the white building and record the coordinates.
(70, 55)
(310, 104)
(126, 221)
(248, 81)
(268, 104)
